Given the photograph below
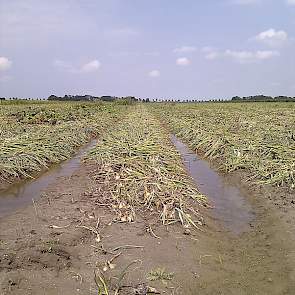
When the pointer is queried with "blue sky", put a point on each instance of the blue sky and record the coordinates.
(185, 49)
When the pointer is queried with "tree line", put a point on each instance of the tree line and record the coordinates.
(132, 99)
(264, 98)
(89, 98)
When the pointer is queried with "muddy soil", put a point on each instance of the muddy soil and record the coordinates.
(19, 192)
(53, 247)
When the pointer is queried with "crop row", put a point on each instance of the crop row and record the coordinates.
(259, 138)
(139, 170)
(34, 136)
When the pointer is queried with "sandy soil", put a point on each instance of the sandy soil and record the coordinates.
(54, 248)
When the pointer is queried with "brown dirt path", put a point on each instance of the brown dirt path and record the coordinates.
(52, 248)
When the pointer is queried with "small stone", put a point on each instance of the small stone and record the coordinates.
(187, 232)
(270, 280)
(11, 282)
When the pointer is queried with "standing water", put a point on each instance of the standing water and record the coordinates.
(228, 199)
(24, 192)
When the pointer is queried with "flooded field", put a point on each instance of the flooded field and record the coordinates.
(147, 147)
(26, 192)
(229, 200)
(137, 211)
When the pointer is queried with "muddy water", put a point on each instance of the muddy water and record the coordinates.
(24, 192)
(229, 200)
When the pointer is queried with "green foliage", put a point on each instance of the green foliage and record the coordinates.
(160, 274)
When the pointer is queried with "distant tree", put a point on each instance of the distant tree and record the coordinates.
(236, 98)
(53, 97)
(284, 98)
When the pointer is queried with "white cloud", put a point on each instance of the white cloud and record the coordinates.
(266, 54)
(211, 53)
(240, 56)
(290, 2)
(183, 61)
(272, 37)
(208, 49)
(5, 63)
(154, 74)
(185, 49)
(91, 66)
(88, 67)
(245, 2)
(250, 56)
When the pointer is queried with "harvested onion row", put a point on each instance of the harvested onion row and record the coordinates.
(257, 137)
(139, 170)
(30, 142)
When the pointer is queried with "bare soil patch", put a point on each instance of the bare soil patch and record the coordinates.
(56, 246)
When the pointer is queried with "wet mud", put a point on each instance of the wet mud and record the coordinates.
(230, 201)
(60, 244)
(26, 192)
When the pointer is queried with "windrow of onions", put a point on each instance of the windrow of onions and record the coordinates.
(258, 137)
(34, 136)
(138, 170)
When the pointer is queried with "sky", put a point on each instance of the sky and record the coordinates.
(165, 49)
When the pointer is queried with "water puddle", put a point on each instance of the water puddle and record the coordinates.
(22, 193)
(229, 200)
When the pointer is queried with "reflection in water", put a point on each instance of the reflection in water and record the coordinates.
(229, 200)
(21, 194)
